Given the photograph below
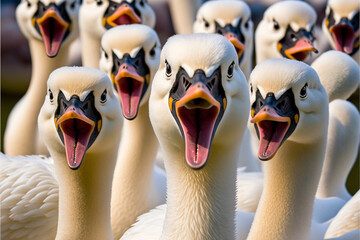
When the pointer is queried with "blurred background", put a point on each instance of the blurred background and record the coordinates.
(16, 60)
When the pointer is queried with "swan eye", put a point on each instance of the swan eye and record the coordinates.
(106, 55)
(251, 88)
(206, 23)
(246, 24)
(230, 70)
(99, 2)
(72, 5)
(168, 69)
(152, 51)
(103, 97)
(276, 25)
(28, 3)
(303, 91)
(142, 3)
(51, 96)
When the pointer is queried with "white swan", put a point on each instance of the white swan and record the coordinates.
(199, 107)
(49, 28)
(290, 114)
(97, 16)
(67, 195)
(131, 56)
(285, 31)
(232, 19)
(341, 26)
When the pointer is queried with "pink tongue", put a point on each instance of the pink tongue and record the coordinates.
(271, 135)
(53, 34)
(130, 93)
(123, 19)
(198, 126)
(76, 136)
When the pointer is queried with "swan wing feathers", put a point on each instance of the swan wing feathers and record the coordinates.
(347, 219)
(148, 226)
(29, 197)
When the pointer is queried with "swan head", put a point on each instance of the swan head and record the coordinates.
(341, 25)
(230, 18)
(80, 111)
(338, 73)
(131, 56)
(288, 103)
(55, 22)
(199, 96)
(286, 31)
(97, 16)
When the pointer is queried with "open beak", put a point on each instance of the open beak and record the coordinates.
(124, 14)
(274, 122)
(344, 36)
(301, 49)
(52, 28)
(76, 129)
(197, 112)
(130, 86)
(272, 128)
(78, 124)
(239, 46)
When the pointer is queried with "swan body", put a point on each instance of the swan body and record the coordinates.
(95, 17)
(286, 31)
(341, 26)
(35, 18)
(38, 195)
(132, 53)
(201, 187)
(287, 96)
(232, 19)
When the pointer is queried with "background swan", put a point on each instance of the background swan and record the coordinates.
(97, 16)
(48, 52)
(131, 56)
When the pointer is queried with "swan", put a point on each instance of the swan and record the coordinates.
(199, 92)
(132, 53)
(232, 19)
(97, 16)
(289, 109)
(49, 50)
(286, 31)
(67, 195)
(339, 74)
(341, 26)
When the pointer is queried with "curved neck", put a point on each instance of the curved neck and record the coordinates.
(200, 203)
(133, 183)
(84, 197)
(90, 50)
(291, 179)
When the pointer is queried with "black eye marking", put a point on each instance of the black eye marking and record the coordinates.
(251, 88)
(246, 25)
(72, 5)
(206, 23)
(99, 2)
(103, 97)
(303, 91)
(142, 3)
(51, 96)
(230, 70)
(276, 25)
(28, 3)
(168, 69)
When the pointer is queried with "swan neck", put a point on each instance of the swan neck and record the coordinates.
(200, 203)
(84, 197)
(90, 50)
(291, 179)
(134, 170)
